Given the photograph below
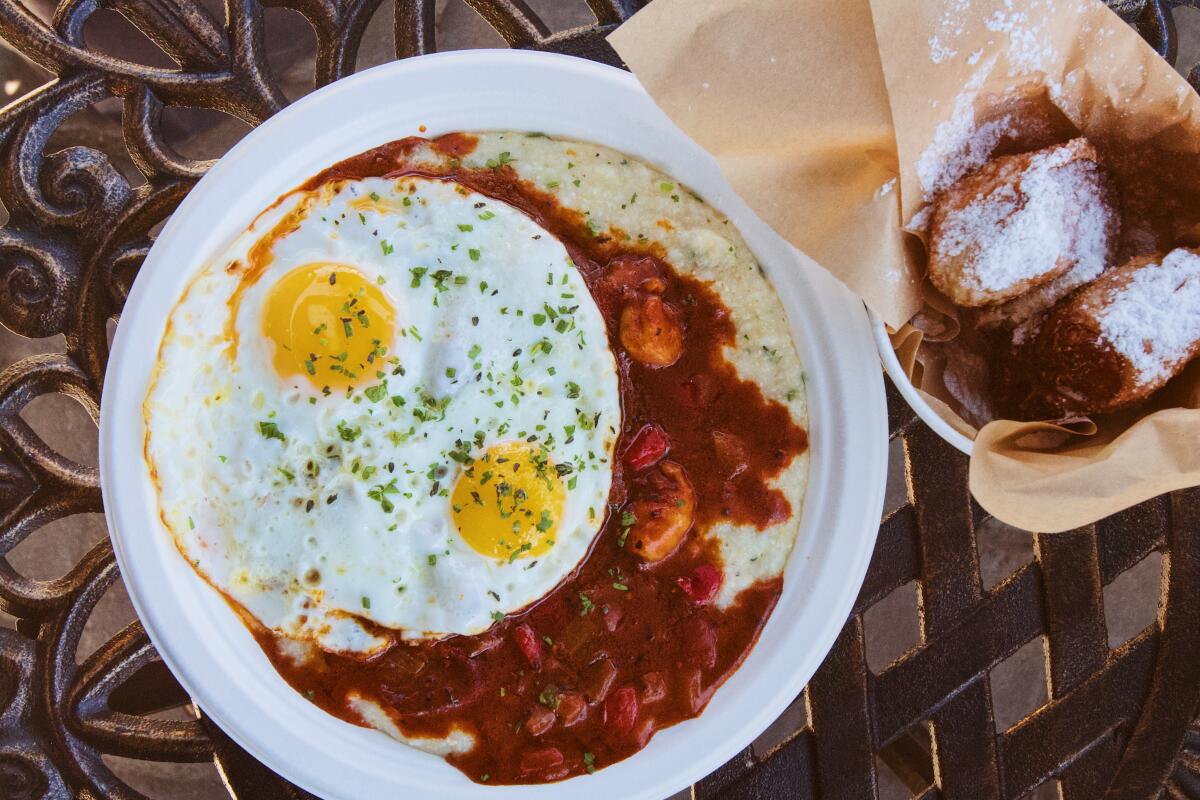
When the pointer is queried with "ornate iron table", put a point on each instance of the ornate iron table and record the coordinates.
(1112, 722)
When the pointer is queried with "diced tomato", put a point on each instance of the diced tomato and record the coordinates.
(540, 759)
(702, 585)
(648, 447)
(612, 618)
(540, 720)
(654, 687)
(571, 708)
(621, 709)
(598, 680)
(531, 648)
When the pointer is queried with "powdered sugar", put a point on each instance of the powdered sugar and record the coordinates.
(958, 146)
(1154, 319)
(950, 27)
(1029, 49)
(1030, 224)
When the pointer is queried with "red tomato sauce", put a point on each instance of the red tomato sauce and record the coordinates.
(622, 647)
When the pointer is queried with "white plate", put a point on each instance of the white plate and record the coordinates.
(209, 649)
(909, 392)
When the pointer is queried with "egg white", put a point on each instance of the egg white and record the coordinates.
(245, 510)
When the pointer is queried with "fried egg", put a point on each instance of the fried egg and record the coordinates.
(390, 404)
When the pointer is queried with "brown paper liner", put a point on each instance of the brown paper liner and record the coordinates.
(812, 107)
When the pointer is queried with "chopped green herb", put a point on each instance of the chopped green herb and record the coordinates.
(432, 559)
(366, 601)
(473, 253)
(499, 161)
(549, 696)
(586, 606)
(387, 248)
(589, 763)
(620, 587)
(270, 430)
(465, 228)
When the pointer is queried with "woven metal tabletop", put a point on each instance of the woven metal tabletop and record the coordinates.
(75, 224)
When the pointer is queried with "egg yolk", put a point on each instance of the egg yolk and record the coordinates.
(329, 323)
(508, 502)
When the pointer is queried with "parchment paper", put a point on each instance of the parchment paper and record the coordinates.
(788, 95)
(812, 107)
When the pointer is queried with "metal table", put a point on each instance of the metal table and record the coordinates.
(1117, 723)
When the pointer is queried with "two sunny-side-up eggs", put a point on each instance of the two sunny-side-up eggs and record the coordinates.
(391, 403)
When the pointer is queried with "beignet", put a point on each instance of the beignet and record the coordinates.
(1118, 340)
(1042, 219)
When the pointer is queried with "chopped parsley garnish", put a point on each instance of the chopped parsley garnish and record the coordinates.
(620, 587)
(516, 553)
(374, 196)
(572, 389)
(348, 433)
(666, 187)
(380, 492)
(366, 601)
(270, 430)
(376, 393)
(549, 697)
(486, 215)
(191, 524)
(545, 522)
(465, 227)
(497, 616)
(586, 606)
(499, 161)
(386, 248)
(473, 253)
(589, 763)
(628, 519)
(432, 559)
